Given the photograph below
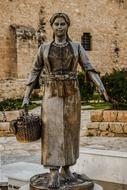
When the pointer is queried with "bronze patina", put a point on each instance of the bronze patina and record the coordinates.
(61, 109)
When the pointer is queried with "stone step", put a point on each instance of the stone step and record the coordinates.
(107, 129)
(108, 115)
(19, 174)
(103, 165)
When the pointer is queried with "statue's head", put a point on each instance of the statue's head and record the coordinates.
(60, 23)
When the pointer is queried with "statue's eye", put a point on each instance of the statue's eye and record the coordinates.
(63, 24)
(56, 23)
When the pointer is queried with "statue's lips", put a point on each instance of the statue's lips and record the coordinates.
(60, 31)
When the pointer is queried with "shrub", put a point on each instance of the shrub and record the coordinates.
(116, 85)
(14, 104)
(86, 87)
(9, 104)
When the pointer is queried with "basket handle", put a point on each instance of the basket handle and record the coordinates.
(26, 109)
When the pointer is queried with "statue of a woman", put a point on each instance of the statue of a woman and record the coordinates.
(61, 101)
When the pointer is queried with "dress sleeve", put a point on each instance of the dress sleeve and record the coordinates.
(91, 73)
(84, 60)
(37, 68)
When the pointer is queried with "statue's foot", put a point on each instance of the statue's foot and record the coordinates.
(68, 175)
(54, 179)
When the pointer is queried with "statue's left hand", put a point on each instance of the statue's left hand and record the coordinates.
(106, 96)
(25, 102)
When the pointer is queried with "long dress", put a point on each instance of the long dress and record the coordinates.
(61, 101)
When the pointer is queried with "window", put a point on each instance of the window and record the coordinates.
(86, 41)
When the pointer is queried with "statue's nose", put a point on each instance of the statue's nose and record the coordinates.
(59, 26)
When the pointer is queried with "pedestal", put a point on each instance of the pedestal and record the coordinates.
(18, 174)
(41, 181)
(93, 161)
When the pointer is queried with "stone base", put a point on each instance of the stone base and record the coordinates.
(41, 181)
(94, 161)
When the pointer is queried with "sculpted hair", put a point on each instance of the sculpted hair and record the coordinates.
(63, 15)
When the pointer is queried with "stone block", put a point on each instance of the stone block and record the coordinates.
(92, 132)
(10, 115)
(122, 116)
(125, 128)
(6, 134)
(2, 133)
(96, 116)
(116, 127)
(93, 125)
(83, 133)
(110, 134)
(109, 115)
(104, 133)
(4, 129)
(104, 126)
(4, 126)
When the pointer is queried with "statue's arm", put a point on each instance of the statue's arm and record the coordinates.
(34, 76)
(91, 72)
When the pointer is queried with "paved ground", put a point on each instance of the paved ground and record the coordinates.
(105, 143)
(13, 151)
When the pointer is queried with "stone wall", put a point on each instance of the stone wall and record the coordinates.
(25, 48)
(12, 88)
(106, 20)
(107, 123)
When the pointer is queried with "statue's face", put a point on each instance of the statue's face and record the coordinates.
(60, 27)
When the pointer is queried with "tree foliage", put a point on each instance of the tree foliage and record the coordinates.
(116, 85)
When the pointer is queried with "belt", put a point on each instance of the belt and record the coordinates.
(70, 76)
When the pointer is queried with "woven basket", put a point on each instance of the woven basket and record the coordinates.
(27, 128)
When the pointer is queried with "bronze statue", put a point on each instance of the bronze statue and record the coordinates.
(61, 101)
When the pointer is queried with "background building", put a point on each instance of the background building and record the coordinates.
(25, 24)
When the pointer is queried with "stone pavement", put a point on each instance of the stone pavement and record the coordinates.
(13, 151)
(105, 143)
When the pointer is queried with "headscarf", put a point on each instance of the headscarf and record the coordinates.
(63, 15)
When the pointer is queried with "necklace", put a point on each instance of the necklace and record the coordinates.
(60, 44)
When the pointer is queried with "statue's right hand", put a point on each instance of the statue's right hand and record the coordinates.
(25, 102)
